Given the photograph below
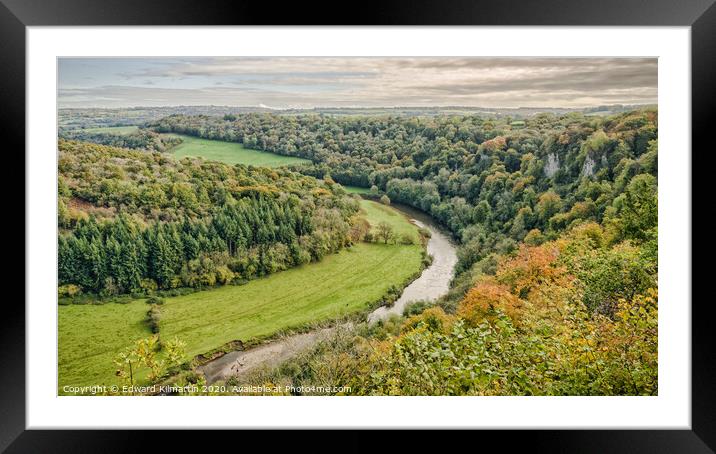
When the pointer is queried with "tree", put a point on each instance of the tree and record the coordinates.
(639, 214)
(144, 354)
(385, 231)
(549, 204)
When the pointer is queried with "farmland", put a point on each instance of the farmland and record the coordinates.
(118, 130)
(356, 189)
(340, 284)
(230, 153)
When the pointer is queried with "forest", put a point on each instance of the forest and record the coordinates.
(139, 139)
(490, 183)
(555, 217)
(134, 221)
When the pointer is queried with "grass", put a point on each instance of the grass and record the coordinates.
(90, 336)
(356, 190)
(118, 130)
(338, 285)
(377, 212)
(230, 153)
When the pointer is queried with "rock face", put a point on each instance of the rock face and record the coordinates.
(588, 167)
(552, 165)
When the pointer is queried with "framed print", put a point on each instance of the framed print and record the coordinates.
(431, 217)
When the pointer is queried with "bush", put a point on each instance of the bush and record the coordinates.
(155, 300)
(368, 238)
(148, 285)
(434, 319)
(68, 290)
(407, 239)
(390, 295)
(385, 200)
(153, 318)
(416, 308)
(110, 287)
(427, 260)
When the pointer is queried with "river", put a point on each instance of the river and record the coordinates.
(434, 282)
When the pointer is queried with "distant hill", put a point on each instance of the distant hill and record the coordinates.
(83, 118)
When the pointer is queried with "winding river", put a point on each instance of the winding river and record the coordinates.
(433, 283)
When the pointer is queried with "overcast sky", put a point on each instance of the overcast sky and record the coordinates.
(283, 82)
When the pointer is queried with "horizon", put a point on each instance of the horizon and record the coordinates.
(306, 83)
(437, 107)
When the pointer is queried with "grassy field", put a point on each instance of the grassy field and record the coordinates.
(91, 335)
(230, 153)
(338, 285)
(118, 130)
(356, 190)
(376, 212)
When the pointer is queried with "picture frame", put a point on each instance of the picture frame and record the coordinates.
(16, 15)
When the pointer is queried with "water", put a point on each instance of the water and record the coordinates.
(434, 282)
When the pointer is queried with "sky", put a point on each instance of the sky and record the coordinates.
(307, 82)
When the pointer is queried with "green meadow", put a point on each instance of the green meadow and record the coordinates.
(118, 130)
(376, 213)
(356, 189)
(230, 153)
(90, 336)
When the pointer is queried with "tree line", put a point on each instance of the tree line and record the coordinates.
(141, 139)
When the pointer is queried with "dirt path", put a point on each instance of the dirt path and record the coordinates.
(239, 363)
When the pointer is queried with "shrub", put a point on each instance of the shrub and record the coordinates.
(153, 318)
(433, 319)
(416, 308)
(110, 287)
(224, 275)
(427, 260)
(69, 290)
(407, 239)
(148, 285)
(385, 200)
(155, 300)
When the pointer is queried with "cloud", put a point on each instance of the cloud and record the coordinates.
(359, 81)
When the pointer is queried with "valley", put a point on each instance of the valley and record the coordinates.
(389, 252)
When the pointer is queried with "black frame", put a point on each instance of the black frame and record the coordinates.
(15, 15)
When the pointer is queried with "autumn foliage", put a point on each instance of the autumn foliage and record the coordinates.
(538, 326)
(484, 300)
